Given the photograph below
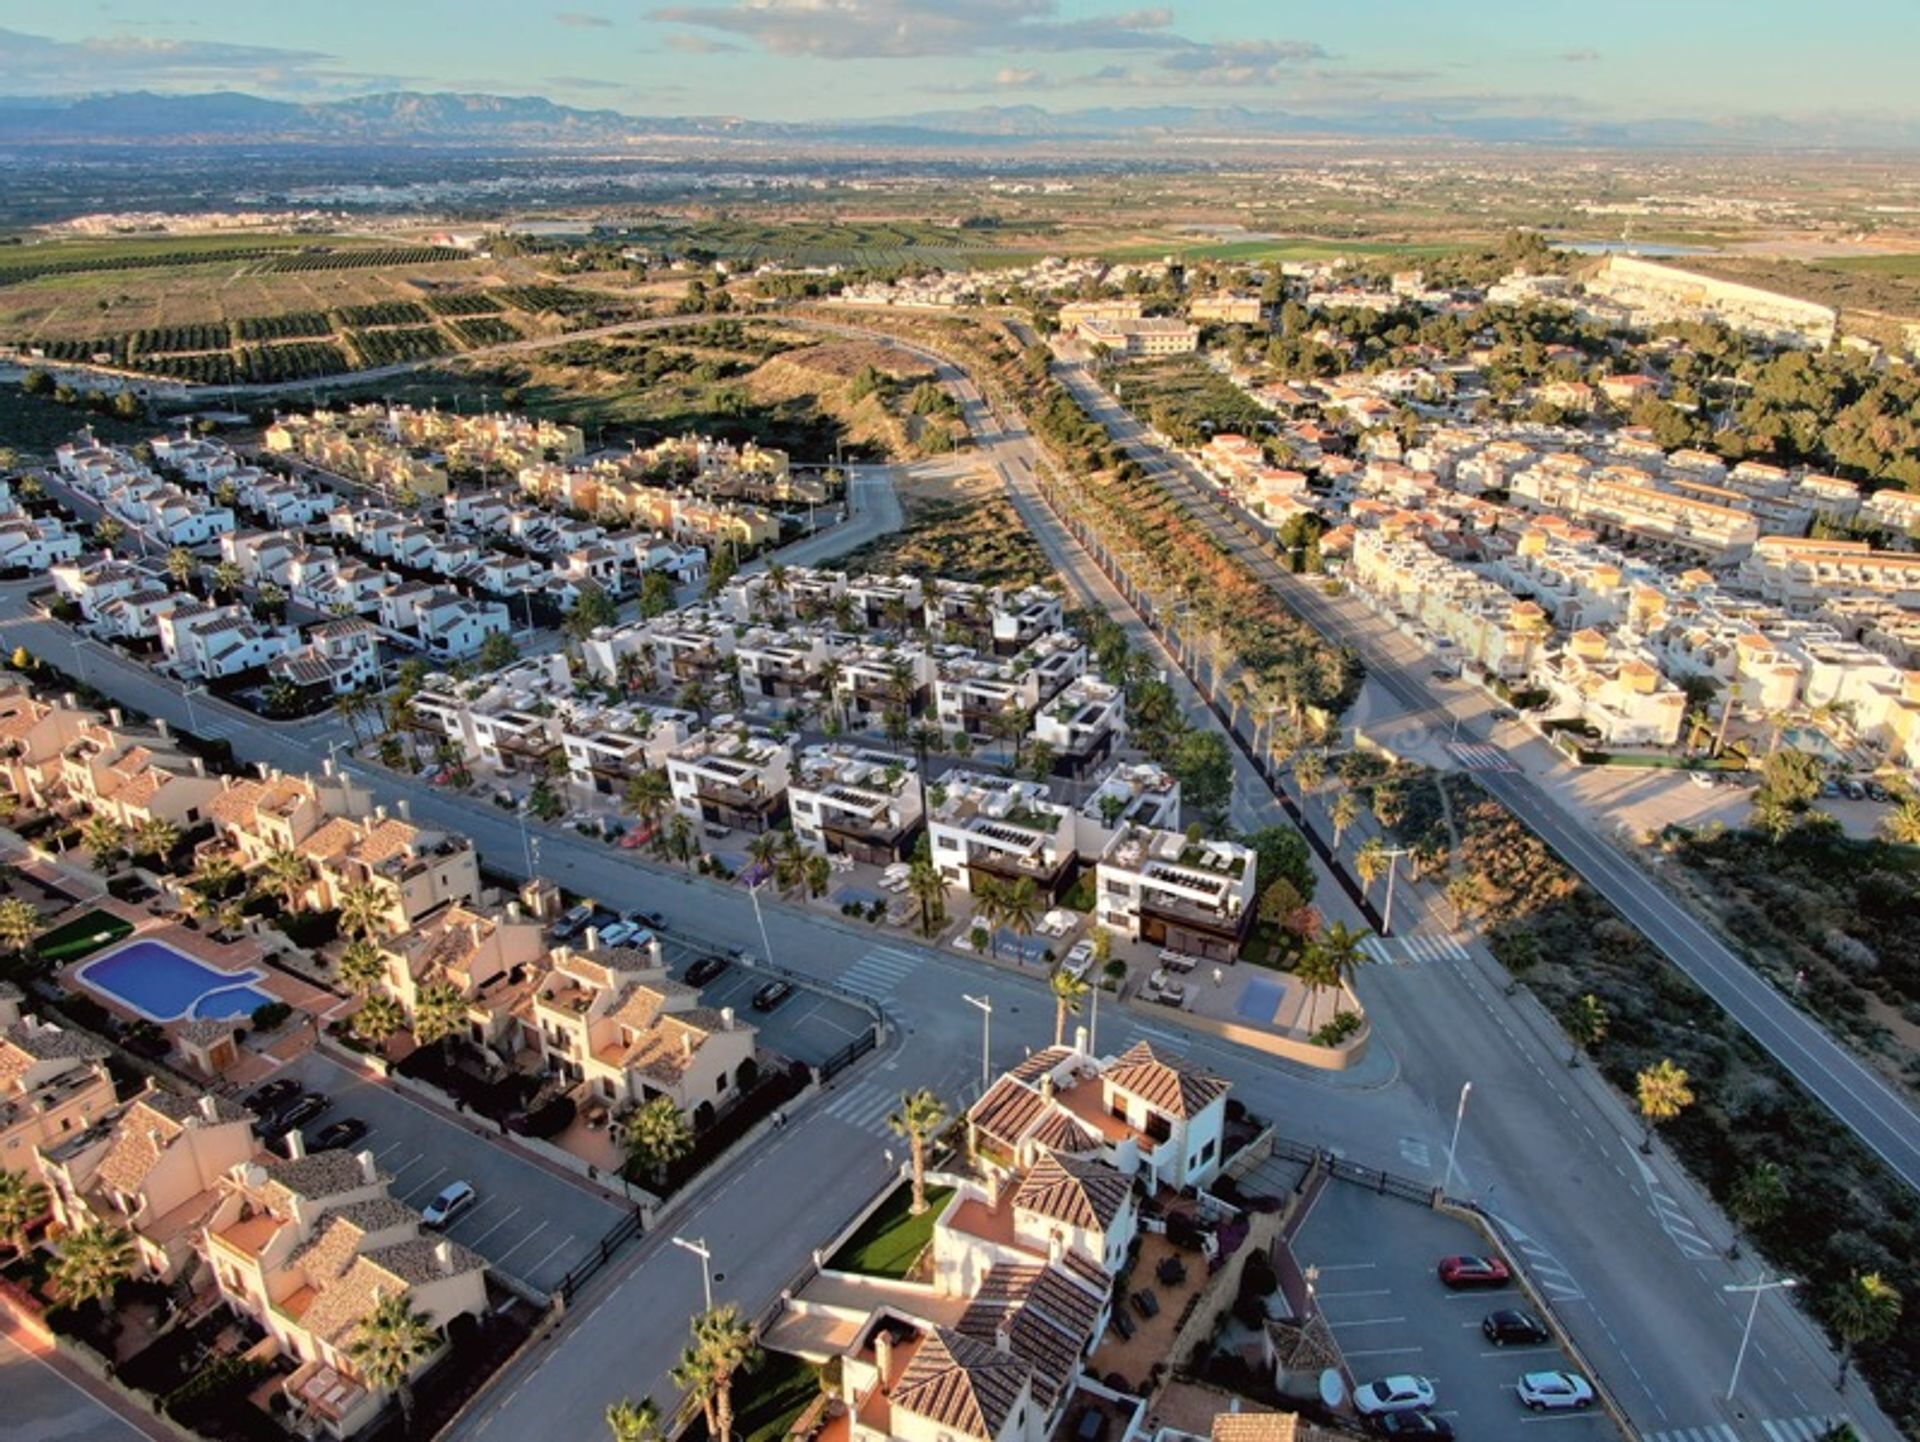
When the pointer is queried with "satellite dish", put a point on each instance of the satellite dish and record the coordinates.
(1333, 1389)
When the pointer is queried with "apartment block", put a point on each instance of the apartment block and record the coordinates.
(731, 778)
(999, 829)
(854, 801)
(1195, 897)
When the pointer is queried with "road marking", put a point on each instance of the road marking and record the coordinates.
(1712, 1432)
(1369, 1322)
(1382, 1352)
(875, 975)
(535, 1268)
(1477, 756)
(1414, 950)
(1799, 1429)
(476, 1241)
(864, 1106)
(427, 1184)
(501, 1260)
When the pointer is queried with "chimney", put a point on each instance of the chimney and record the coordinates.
(593, 938)
(380, 812)
(209, 1107)
(686, 1043)
(883, 1356)
(369, 1173)
(160, 725)
(406, 809)
(113, 717)
(726, 1018)
(296, 1145)
(1056, 1248)
(1003, 1334)
(993, 1189)
(1080, 1040)
(513, 911)
(1046, 1088)
(199, 766)
(443, 1256)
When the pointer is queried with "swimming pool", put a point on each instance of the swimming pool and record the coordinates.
(163, 984)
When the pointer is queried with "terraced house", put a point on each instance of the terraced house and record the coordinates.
(852, 801)
(53, 1084)
(414, 868)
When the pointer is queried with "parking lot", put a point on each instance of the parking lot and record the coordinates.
(1376, 1284)
(527, 1221)
(808, 1026)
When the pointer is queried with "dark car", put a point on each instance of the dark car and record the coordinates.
(338, 1136)
(1514, 1328)
(264, 1101)
(301, 1111)
(705, 970)
(1463, 1272)
(771, 995)
(652, 920)
(1412, 1424)
(1503, 713)
(572, 921)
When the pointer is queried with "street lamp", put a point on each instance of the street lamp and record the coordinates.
(985, 1004)
(187, 693)
(1778, 1284)
(766, 946)
(1459, 1115)
(698, 1247)
(1393, 867)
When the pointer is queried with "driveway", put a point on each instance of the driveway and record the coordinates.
(528, 1222)
(1375, 1257)
(809, 1026)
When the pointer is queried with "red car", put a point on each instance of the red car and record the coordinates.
(1464, 1272)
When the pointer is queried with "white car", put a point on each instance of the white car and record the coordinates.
(1079, 960)
(1705, 780)
(1393, 1394)
(454, 1199)
(619, 934)
(1555, 1391)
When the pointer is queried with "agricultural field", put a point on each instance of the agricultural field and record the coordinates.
(1188, 400)
(863, 244)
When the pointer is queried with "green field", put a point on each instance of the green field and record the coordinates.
(82, 936)
(1903, 267)
(1254, 252)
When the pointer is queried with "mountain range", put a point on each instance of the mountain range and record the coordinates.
(413, 118)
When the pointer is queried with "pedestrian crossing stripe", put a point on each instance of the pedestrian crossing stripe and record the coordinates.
(1777, 1429)
(1476, 756)
(877, 973)
(1413, 950)
(864, 1107)
(1712, 1432)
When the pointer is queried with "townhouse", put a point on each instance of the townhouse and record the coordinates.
(34, 737)
(852, 801)
(339, 656)
(212, 642)
(54, 1084)
(414, 869)
(439, 622)
(986, 828)
(880, 677)
(1195, 897)
(490, 958)
(135, 775)
(734, 778)
(1083, 725)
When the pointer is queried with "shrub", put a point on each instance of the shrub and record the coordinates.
(269, 1016)
(1337, 1030)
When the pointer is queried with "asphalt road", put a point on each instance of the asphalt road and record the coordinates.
(42, 1405)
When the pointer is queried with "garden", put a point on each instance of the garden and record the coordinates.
(891, 1240)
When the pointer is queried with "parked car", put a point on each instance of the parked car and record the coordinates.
(1461, 1273)
(1503, 713)
(1079, 960)
(705, 970)
(1703, 779)
(571, 921)
(1877, 792)
(338, 1136)
(1412, 1424)
(1855, 791)
(652, 920)
(1555, 1391)
(299, 1112)
(1512, 1328)
(264, 1101)
(454, 1198)
(1403, 1393)
(619, 934)
(771, 995)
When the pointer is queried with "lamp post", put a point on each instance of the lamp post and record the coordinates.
(985, 1004)
(698, 1246)
(1777, 1284)
(766, 946)
(1393, 867)
(1459, 1115)
(187, 693)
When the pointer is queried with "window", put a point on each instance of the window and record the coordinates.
(720, 1082)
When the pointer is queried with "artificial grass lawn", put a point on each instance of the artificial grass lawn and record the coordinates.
(82, 935)
(769, 1399)
(891, 1240)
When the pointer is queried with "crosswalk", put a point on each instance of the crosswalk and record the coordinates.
(1679, 1226)
(875, 975)
(1776, 1429)
(1413, 950)
(1541, 1265)
(865, 1106)
(1478, 756)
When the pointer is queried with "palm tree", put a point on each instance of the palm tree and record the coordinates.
(921, 1114)
(379, 1017)
(990, 907)
(103, 836)
(1864, 1310)
(23, 1201)
(93, 1261)
(723, 1348)
(656, 1136)
(1021, 906)
(227, 578)
(181, 566)
(1389, 806)
(1344, 812)
(648, 796)
(1586, 1026)
(1316, 971)
(631, 1421)
(362, 968)
(1901, 825)
(818, 873)
(1663, 1094)
(1758, 1197)
(109, 531)
(363, 910)
(764, 848)
(680, 836)
(1344, 956)
(19, 923)
(439, 1011)
(1310, 770)
(1370, 862)
(155, 837)
(288, 873)
(390, 1342)
(1067, 990)
(927, 886)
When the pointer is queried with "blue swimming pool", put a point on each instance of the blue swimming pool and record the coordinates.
(163, 984)
(1260, 999)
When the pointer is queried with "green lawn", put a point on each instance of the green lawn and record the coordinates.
(82, 935)
(768, 1399)
(891, 1240)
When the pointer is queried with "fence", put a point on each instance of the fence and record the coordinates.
(1378, 1180)
(848, 1054)
(617, 1236)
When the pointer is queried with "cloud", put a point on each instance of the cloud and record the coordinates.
(37, 65)
(1585, 55)
(1238, 62)
(583, 20)
(894, 29)
(1013, 77)
(1008, 77)
(701, 45)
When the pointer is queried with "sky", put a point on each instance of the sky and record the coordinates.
(1712, 60)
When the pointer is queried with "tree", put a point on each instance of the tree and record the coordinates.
(680, 836)
(227, 577)
(723, 1349)
(181, 566)
(1758, 1198)
(23, 1201)
(1020, 906)
(990, 907)
(391, 1340)
(921, 1115)
(93, 1261)
(1068, 990)
(656, 594)
(1344, 956)
(818, 873)
(379, 1017)
(1280, 852)
(216, 876)
(363, 910)
(1317, 971)
(19, 923)
(1310, 770)
(648, 796)
(362, 968)
(103, 836)
(927, 886)
(656, 1136)
(631, 1421)
(1663, 1094)
(155, 837)
(1790, 781)
(287, 872)
(1863, 1311)
(1370, 862)
(1343, 813)
(1389, 806)
(1586, 1026)
(439, 1012)
(1901, 826)
(594, 609)
(1205, 771)
(498, 650)
(109, 530)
